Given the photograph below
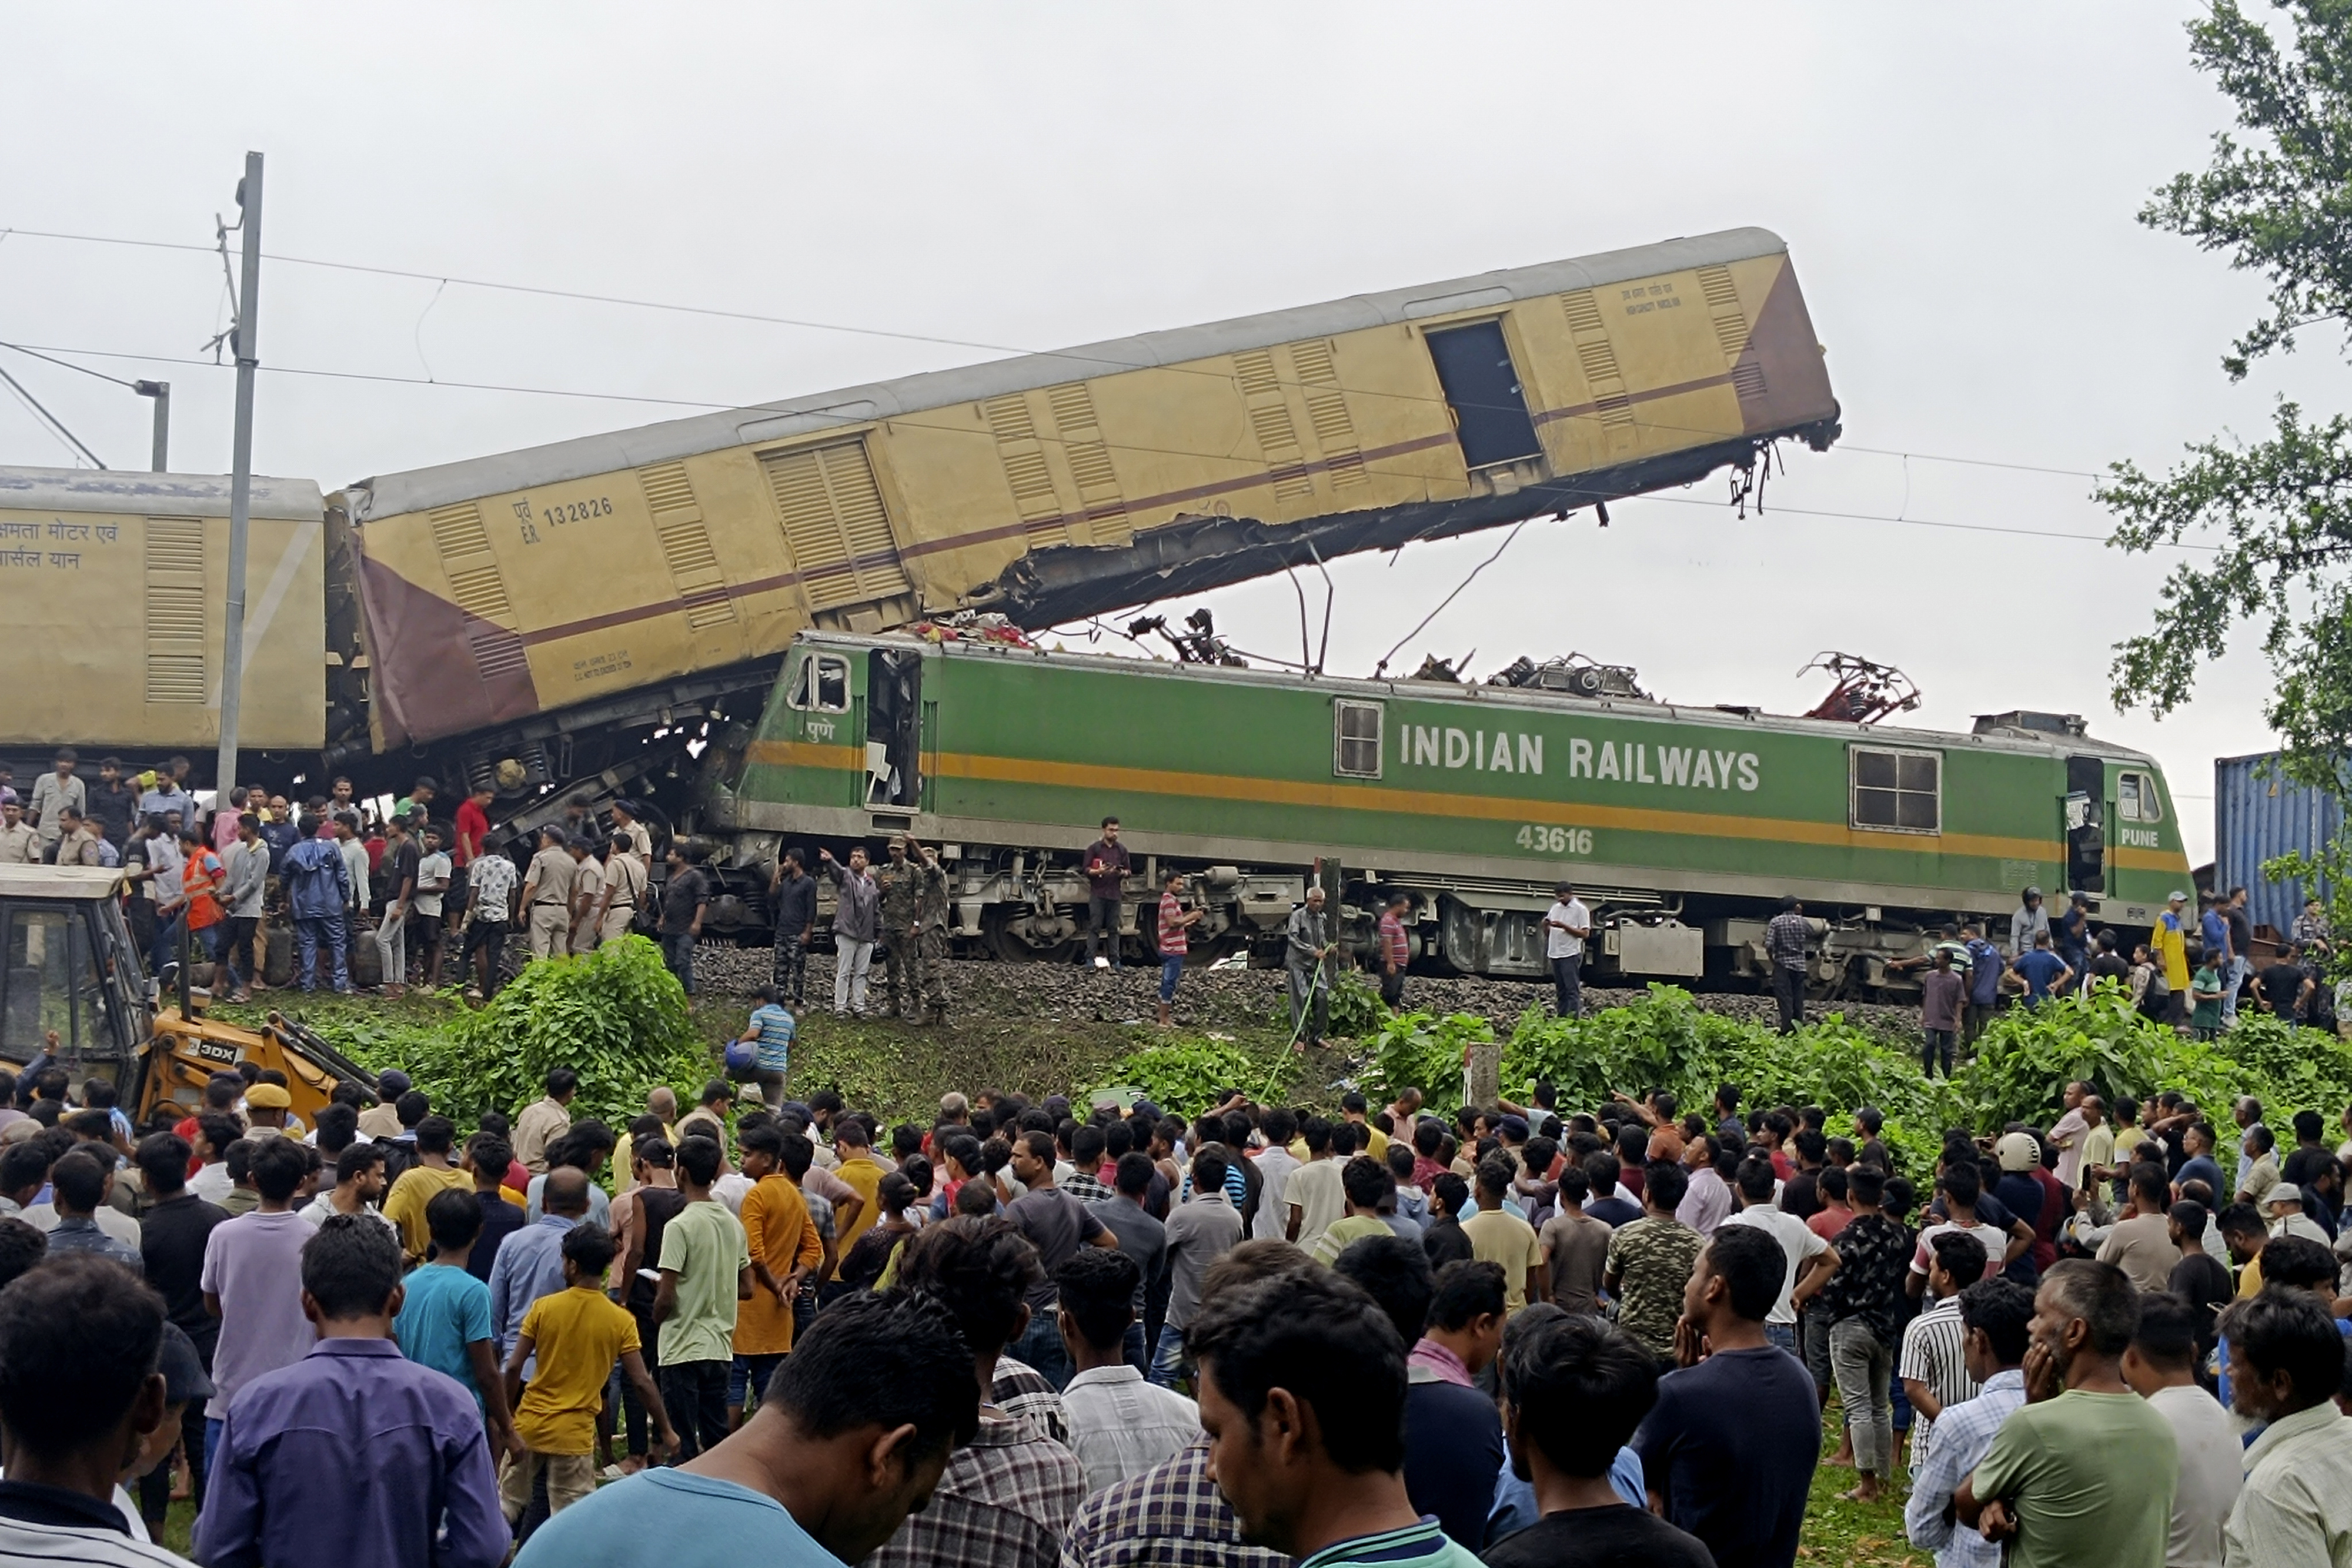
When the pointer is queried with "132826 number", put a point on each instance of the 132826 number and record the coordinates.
(577, 511)
(1556, 841)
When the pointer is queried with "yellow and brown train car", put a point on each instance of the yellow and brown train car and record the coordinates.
(112, 587)
(498, 591)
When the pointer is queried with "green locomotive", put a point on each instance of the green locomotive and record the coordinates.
(1682, 827)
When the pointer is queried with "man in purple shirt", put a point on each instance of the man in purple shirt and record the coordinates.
(353, 1455)
(252, 1281)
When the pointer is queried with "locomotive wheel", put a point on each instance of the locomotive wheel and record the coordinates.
(996, 930)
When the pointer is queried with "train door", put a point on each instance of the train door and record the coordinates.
(894, 728)
(2085, 823)
(1482, 387)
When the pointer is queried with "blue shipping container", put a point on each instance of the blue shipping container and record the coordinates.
(2258, 815)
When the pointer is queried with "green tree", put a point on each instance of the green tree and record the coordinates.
(2276, 200)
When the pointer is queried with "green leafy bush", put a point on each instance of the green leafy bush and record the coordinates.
(1184, 1076)
(2027, 1055)
(1356, 1008)
(1663, 1041)
(1415, 1051)
(617, 1017)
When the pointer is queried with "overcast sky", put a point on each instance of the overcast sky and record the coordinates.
(1958, 189)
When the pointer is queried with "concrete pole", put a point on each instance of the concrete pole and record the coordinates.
(161, 393)
(240, 495)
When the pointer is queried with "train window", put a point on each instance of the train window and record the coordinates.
(1356, 739)
(1897, 791)
(2136, 800)
(821, 685)
(1482, 386)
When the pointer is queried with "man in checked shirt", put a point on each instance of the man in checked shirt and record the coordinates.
(1173, 1516)
(1784, 947)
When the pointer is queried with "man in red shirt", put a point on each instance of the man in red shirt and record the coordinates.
(473, 826)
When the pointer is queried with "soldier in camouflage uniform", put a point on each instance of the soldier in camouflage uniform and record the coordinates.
(931, 936)
(900, 879)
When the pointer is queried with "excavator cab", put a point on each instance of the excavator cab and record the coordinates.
(72, 982)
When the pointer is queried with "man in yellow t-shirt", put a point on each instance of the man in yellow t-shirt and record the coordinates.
(577, 1334)
(1365, 1181)
(433, 1174)
(860, 1169)
(1499, 1236)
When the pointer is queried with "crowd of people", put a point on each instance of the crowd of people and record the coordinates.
(1033, 1332)
(429, 896)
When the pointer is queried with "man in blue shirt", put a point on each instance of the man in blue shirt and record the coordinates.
(2214, 928)
(1993, 1317)
(1985, 970)
(445, 1313)
(530, 1263)
(317, 888)
(353, 1455)
(771, 1029)
(2042, 970)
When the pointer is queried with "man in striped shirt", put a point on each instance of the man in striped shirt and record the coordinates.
(1934, 1364)
(1395, 951)
(1993, 1315)
(1175, 922)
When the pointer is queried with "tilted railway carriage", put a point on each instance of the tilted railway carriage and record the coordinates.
(515, 599)
(1683, 827)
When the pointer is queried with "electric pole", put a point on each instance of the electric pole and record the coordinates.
(161, 393)
(240, 494)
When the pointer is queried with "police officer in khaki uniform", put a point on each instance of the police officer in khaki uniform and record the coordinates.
(547, 894)
(587, 895)
(625, 890)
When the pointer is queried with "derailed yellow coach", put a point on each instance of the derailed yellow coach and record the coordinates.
(112, 587)
(1057, 486)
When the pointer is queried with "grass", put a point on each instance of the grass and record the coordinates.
(1864, 1535)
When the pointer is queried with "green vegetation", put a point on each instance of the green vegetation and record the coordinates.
(621, 1020)
(1666, 1042)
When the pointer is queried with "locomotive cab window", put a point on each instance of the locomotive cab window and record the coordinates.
(1896, 791)
(821, 685)
(2135, 799)
(1356, 739)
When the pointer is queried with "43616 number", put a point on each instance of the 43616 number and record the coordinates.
(1553, 841)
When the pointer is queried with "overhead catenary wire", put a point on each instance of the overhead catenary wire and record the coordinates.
(73, 458)
(52, 420)
(69, 365)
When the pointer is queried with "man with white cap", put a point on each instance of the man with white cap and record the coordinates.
(2283, 1215)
